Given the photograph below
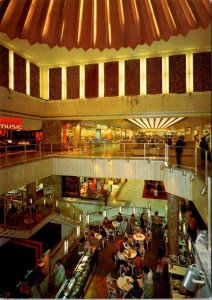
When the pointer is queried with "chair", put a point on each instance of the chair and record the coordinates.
(148, 239)
(111, 233)
(112, 287)
(103, 241)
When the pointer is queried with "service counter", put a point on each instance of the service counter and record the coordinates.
(76, 286)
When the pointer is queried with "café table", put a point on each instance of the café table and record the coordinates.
(124, 283)
(130, 253)
(115, 224)
(139, 237)
(98, 236)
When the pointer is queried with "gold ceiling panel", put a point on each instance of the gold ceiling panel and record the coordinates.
(105, 24)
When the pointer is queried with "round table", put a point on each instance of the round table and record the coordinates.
(98, 236)
(130, 253)
(139, 237)
(115, 224)
(123, 283)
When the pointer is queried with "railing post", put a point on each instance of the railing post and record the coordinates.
(25, 152)
(124, 149)
(206, 165)
(195, 160)
(6, 155)
(144, 151)
(51, 148)
(40, 150)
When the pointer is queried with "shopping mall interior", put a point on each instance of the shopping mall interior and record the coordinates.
(105, 110)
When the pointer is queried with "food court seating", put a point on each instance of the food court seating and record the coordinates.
(103, 241)
(112, 288)
(111, 233)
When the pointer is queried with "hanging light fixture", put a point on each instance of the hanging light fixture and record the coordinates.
(204, 191)
(78, 230)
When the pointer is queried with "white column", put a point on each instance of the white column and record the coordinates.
(101, 80)
(165, 74)
(189, 72)
(44, 83)
(64, 83)
(11, 70)
(121, 78)
(27, 77)
(143, 76)
(82, 81)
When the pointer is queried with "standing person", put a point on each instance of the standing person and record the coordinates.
(142, 221)
(179, 150)
(59, 273)
(119, 218)
(132, 221)
(156, 222)
(204, 147)
(148, 282)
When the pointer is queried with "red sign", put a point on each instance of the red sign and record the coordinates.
(11, 123)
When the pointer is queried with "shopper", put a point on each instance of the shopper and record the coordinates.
(179, 150)
(59, 274)
(204, 147)
(148, 282)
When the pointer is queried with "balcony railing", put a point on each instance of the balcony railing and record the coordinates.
(191, 157)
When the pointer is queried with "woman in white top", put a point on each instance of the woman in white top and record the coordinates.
(148, 282)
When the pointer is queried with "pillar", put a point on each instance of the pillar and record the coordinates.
(52, 133)
(77, 134)
(31, 191)
(173, 224)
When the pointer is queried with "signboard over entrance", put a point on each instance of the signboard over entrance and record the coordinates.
(11, 123)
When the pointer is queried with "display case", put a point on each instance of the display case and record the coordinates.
(76, 286)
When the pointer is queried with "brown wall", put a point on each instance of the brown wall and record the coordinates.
(91, 81)
(132, 77)
(19, 74)
(73, 82)
(34, 80)
(111, 79)
(177, 74)
(4, 67)
(55, 84)
(154, 75)
(202, 71)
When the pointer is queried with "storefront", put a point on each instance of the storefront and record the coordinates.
(86, 188)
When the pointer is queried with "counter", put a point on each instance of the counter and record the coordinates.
(76, 286)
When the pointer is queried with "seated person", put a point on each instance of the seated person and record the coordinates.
(106, 222)
(102, 231)
(120, 254)
(126, 244)
(119, 218)
(136, 291)
(123, 226)
(93, 241)
(90, 231)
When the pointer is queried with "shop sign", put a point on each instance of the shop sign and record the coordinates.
(11, 123)
(87, 123)
(100, 126)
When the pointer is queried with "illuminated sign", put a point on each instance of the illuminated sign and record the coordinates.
(11, 123)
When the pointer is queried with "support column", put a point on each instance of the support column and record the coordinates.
(77, 134)
(173, 224)
(52, 133)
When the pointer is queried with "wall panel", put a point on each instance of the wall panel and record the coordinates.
(177, 74)
(55, 84)
(91, 81)
(34, 80)
(73, 82)
(4, 67)
(132, 77)
(111, 80)
(154, 75)
(19, 74)
(202, 71)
